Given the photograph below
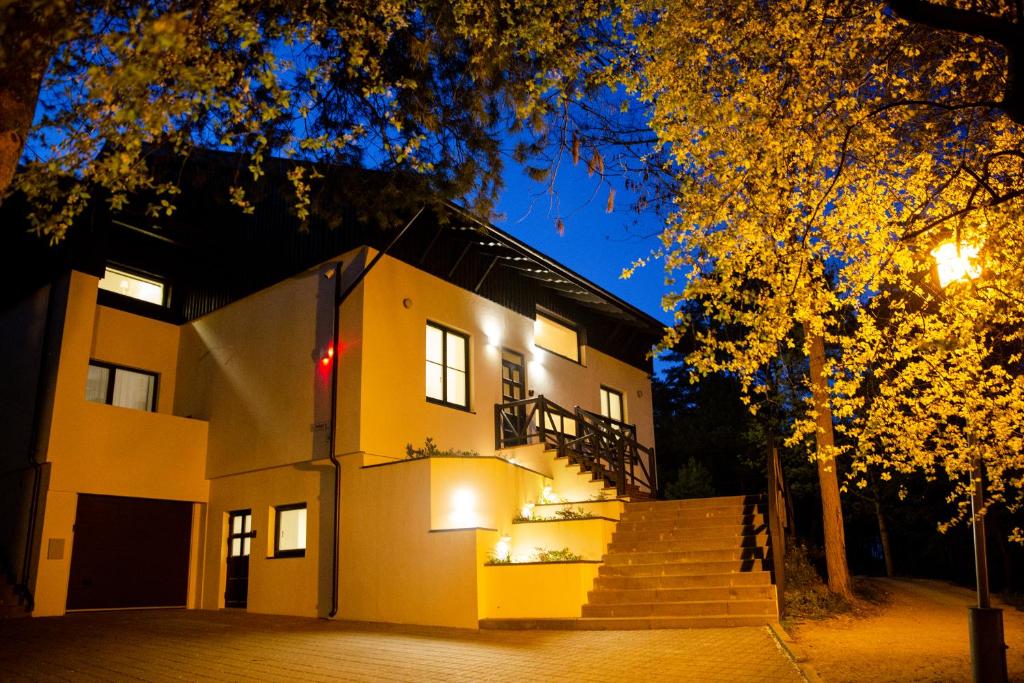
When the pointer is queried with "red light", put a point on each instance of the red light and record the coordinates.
(330, 351)
(325, 361)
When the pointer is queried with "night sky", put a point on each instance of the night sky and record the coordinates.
(595, 244)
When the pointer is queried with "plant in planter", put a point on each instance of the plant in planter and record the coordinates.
(573, 513)
(563, 555)
(430, 450)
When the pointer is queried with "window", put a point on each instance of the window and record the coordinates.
(290, 530)
(556, 337)
(447, 367)
(118, 386)
(611, 404)
(240, 533)
(127, 284)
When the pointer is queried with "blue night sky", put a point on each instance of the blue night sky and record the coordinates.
(596, 244)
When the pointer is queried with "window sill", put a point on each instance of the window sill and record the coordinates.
(453, 406)
(288, 556)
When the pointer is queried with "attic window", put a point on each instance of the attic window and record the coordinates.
(134, 286)
(556, 337)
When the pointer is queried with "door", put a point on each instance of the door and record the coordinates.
(513, 388)
(240, 535)
(129, 552)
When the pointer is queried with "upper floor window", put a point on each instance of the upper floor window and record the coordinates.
(290, 530)
(118, 386)
(447, 366)
(556, 337)
(134, 286)
(611, 404)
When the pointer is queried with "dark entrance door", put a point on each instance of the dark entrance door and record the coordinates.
(513, 388)
(240, 534)
(129, 552)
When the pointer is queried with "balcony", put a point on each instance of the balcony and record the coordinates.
(608, 449)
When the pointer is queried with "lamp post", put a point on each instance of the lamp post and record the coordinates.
(955, 262)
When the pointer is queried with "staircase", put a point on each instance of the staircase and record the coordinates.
(686, 564)
(699, 563)
(11, 605)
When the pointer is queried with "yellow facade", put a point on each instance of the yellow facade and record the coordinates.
(107, 450)
(238, 426)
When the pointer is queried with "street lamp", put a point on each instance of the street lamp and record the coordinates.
(956, 262)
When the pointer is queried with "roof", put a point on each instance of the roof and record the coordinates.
(213, 254)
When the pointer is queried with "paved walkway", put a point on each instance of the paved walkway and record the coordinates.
(219, 646)
(918, 634)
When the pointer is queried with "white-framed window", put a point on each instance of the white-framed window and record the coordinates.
(120, 386)
(290, 530)
(134, 286)
(447, 366)
(556, 337)
(611, 404)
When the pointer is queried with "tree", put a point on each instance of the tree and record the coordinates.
(820, 151)
(88, 88)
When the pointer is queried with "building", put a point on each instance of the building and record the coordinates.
(222, 410)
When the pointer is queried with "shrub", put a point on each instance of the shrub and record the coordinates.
(430, 450)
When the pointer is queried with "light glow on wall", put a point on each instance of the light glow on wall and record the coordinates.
(548, 495)
(492, 332)
(527, 511)
(503, 548)
(463, 509)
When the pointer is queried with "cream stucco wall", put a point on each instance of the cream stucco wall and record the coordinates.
(285, 585)
(107, 450)
(393, 370)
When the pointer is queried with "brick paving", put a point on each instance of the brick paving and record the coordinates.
(234, 646)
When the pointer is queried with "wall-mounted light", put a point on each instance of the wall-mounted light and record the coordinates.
(527, 511)
(463, 508)
(503, 549)
(492, 332)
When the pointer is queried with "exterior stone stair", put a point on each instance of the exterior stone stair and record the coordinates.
(686, 564)
(699, 563)
(11, 606)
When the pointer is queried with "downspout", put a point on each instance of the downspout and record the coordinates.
(339, 299)
(22, 586)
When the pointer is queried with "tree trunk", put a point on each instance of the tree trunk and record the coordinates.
(23, 64)
(883, 533)
(831, 506)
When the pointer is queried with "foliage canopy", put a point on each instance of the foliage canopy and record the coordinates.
(819, 151)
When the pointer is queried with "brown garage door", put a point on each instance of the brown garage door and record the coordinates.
(129, 552)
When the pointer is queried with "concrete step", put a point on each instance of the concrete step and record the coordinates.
(756, 522)
(707, 608)
(689, 516)
(681, 569)
(691, 534)
(626, 624)
(628, 545)
(726, 579)
(604, 596)
(690, 503)
(685, 556)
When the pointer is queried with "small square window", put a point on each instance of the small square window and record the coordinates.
(134, 286)
(556, 337)
(290, 530)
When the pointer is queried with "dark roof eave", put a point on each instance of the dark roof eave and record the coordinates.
(656, 327)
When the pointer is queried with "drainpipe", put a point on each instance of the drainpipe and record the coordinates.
(42, 390)
(339, 299)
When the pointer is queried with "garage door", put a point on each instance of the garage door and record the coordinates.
(129, 552)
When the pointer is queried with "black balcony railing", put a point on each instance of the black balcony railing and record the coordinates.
(606, 448)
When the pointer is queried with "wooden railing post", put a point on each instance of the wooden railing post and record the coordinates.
(776, 509)
(497, 427)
